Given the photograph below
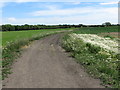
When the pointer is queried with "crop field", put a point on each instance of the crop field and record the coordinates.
(111, 34)
(97, 30)
(97, 50)
(12, 36)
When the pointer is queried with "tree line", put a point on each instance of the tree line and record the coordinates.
(9, 27)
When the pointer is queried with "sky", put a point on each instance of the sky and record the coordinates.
(54, 12)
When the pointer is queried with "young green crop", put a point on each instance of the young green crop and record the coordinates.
(96, 30)
(19, 35)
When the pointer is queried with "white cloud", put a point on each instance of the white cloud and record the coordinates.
(86, 15)
(2, 4)
(52, 7)
(97, 16)
(21, 1)
(11, 19)
(61, 12)
(108, 3)
(74, 11)
(76, 3)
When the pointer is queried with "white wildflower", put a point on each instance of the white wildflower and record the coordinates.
(107, 44)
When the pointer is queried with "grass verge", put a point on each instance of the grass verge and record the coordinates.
(104, 66)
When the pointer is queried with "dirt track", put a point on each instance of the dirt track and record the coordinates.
(44, 64)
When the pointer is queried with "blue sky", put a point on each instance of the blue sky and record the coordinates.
(59, 12)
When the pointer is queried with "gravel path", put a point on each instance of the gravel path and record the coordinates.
(44, 64)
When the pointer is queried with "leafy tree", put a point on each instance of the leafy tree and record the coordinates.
(107, 24)
(8, 27)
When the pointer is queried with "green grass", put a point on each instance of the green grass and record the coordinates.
(96, 30)
(19, 35)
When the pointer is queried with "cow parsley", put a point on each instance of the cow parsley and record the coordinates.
(106, 44)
